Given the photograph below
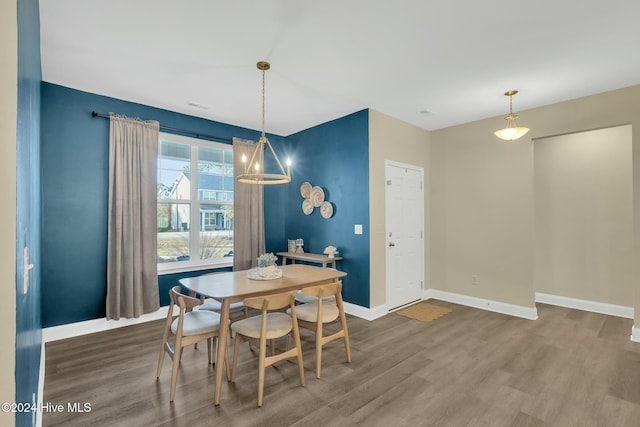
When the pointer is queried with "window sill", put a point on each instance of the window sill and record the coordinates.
(184, 268)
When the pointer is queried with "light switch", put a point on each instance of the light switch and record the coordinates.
(357, 229)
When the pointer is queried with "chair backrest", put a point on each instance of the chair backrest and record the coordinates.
(271, 302)
(324, 290)
(185, 302)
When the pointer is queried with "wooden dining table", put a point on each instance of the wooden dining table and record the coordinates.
(234, 286)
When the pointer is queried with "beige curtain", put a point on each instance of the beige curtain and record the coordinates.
(132, 272)
(248, 212)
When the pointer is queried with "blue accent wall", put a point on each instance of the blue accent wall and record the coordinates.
(334, 156)
(28, 319)
(74, 168)
(75, 180)
(275, 198)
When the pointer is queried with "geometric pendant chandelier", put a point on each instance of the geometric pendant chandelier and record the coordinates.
(254, 171)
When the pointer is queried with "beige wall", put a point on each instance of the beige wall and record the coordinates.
(392, 139)
(584, 215)
(482, 196)
(482, 214)
(8, 122)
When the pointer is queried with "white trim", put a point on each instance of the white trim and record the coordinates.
(378, 311)
(363, 312)
(41, 384)
(55, 333)
(484, 304)
(586, 305)
(69, 330)
(194, 203)
(427, 294)
(169, 268)
(404, 165)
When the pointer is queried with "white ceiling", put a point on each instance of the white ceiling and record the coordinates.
(454, 59)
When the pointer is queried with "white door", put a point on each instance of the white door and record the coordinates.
(404, 223)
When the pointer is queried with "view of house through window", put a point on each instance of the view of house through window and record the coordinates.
(195, 201)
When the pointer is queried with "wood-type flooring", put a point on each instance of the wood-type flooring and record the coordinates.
(468, 368)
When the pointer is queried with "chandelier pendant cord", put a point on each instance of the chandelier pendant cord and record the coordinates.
(254, 171)
(263, 102)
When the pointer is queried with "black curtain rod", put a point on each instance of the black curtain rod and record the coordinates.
(188, 132)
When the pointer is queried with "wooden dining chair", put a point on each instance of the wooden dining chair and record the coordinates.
(237, 310)
(269, 326)
(189, 327)
(302, 298)
(326, 308)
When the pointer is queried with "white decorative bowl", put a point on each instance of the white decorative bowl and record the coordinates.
(264, 273)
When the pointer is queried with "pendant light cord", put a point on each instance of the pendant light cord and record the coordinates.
(263, 84)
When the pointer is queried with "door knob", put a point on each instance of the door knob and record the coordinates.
(391, 244)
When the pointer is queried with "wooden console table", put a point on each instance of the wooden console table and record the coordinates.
(309, 257)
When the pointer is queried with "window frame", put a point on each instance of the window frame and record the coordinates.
(194, 202)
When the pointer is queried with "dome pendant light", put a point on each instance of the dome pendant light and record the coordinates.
(254, 171)
(512, 131)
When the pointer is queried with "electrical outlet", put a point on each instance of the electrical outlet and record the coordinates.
(475, 281)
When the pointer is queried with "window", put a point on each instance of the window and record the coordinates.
(195, 210)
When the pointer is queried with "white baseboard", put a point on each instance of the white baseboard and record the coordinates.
(55, 333)
(69, 330)
(363, 312)
(530, 313)
(498, 307)
(586, 305)
(427, 294)
(41, 384)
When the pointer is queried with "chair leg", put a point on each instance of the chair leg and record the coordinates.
(347, 346)
(236, 346)
(296, 339)
(343, 320)
(174, 373)
(161, 359)
(209, 349)
(165, 338)
(225, 363)
(261, 369)
(318, 348)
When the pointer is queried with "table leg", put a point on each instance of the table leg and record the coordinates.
(222, 349)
